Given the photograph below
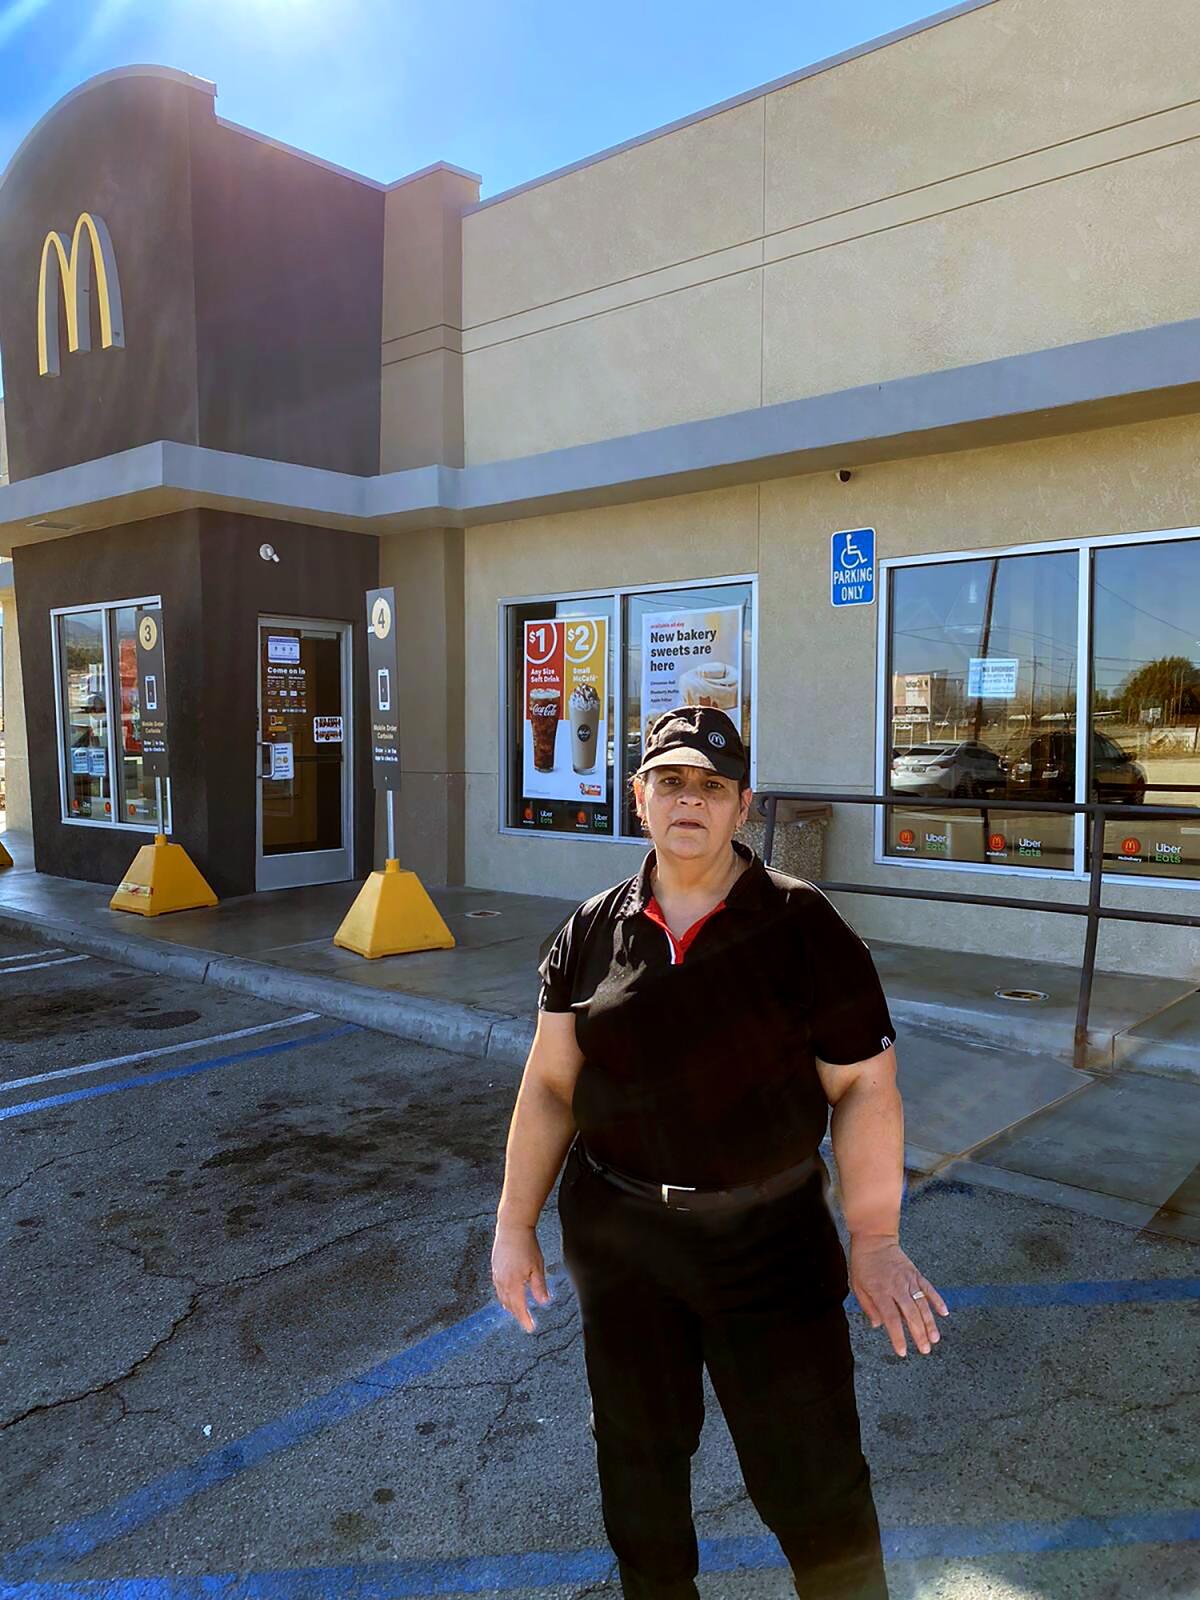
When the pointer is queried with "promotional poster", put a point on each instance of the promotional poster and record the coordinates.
(692, 658)
(566, 704)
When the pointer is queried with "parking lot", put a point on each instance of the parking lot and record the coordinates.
(250, 1345)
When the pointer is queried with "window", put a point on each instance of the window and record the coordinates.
(568, 754)
(1146, 701)
(983, 674)
(102, 768)
(683, 647)
(560, 746)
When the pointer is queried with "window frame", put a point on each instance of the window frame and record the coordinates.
(617, 593)
(107, 609)
(1084, 545)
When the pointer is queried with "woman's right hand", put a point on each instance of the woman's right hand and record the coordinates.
(517, 1261)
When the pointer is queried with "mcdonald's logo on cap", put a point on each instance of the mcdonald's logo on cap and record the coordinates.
(75, 285)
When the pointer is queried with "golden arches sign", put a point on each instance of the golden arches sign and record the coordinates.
(74, 280)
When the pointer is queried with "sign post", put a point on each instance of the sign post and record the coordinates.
(392, 914)
(162, 876)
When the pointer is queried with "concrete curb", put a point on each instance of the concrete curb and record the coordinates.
(446, 1024)
(176, 961)
(1027, 1032)
(469, 1030)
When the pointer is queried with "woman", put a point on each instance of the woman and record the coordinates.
(695, 1024)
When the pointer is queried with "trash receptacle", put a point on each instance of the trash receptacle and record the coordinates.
(799, 848)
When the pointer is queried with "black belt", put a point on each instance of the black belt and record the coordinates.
(702, 1199)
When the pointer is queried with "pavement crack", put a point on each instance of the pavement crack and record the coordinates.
(511, 1384)
(29, 1176)
(107, 1386)
(199, 1293)
(724, 1505)
(68, 1155)
(292, 1261)
(594, 1588)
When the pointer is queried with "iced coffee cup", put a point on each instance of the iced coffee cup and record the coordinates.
(545, 708)
(585, 727)
(714, 684)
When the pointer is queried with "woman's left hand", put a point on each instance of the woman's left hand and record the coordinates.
(884, 1280)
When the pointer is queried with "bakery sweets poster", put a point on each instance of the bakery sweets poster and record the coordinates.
(692, 658)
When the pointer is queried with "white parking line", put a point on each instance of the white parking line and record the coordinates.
(162, 1050)
(28, 955)
(36, 966)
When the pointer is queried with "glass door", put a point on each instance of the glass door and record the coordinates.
(304, 765)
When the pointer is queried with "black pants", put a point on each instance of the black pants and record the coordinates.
(754, 1295)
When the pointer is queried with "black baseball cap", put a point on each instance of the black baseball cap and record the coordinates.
(695, 736)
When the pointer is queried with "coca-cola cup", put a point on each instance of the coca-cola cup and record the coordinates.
(545, 709)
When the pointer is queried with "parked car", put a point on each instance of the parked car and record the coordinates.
(1043, 768)
(949, 769)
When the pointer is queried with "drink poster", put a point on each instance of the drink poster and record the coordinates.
(566, 702)
(692, 658)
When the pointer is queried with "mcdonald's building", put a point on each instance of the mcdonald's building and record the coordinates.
(864, 405)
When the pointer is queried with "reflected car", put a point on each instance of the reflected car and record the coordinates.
(1044, 769)
(953, 769)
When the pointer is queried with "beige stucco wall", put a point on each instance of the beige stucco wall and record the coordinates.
(1017, 177)
(421, 409)
(16, 751)
(816, 697)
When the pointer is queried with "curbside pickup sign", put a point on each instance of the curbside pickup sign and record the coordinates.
(852, 573)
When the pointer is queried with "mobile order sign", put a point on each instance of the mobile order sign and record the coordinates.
(852, 573)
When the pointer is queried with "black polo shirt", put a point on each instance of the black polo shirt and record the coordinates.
(702, 1071)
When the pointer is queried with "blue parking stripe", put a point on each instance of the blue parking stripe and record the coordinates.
(91, 1533)
(28, 1106)
(538, 1569)
(88, 1534)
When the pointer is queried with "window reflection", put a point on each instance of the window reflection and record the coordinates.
(1146, 702)
(136, 791)
(85, 705)
(984, 698)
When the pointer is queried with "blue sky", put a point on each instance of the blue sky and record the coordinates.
(510, 89)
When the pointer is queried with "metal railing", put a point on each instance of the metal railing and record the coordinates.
(1093, 908)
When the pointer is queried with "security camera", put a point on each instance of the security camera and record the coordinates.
(843, 474)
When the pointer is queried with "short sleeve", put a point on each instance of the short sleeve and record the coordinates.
(557, 971)
(850, 1017)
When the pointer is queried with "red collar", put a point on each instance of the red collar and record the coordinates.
(679, 947)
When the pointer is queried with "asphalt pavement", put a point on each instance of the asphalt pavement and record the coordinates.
(250, 1346)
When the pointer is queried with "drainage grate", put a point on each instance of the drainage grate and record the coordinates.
(1025, 996)
(483, 913)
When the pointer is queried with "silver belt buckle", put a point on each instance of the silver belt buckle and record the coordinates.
(684, 1188)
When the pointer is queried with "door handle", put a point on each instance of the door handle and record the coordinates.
(263, 744)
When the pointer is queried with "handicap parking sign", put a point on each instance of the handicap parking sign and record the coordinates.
(852, 575)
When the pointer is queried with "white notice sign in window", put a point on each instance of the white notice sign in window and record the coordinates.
(992, 677)
(282, 647)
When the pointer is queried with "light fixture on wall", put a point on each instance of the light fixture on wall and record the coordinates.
(267, 552)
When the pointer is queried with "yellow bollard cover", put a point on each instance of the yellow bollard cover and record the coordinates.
(393, 916)
(162, 877)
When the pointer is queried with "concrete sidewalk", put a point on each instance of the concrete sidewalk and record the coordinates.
(479, 998)
(990, 1096)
